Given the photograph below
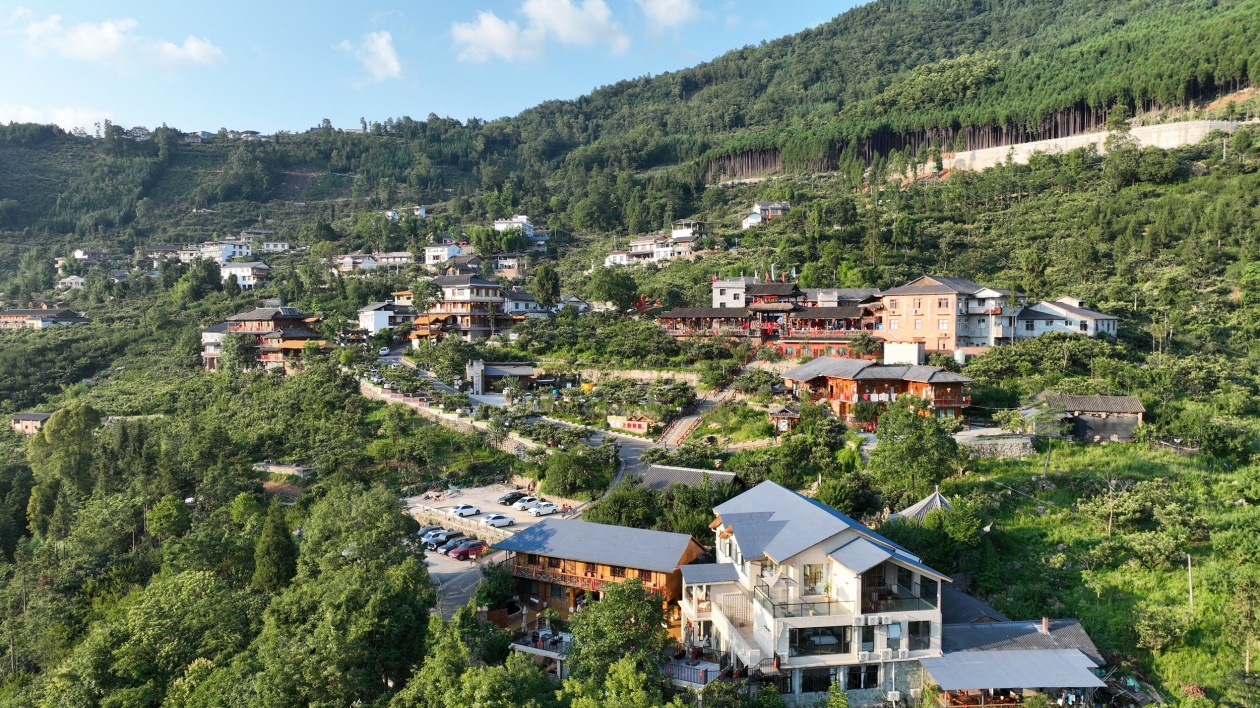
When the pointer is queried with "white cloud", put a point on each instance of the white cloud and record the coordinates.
(587, 24)
(376, 53)
(670, 14)
(489, 37)
(67, 118)
(113, 41)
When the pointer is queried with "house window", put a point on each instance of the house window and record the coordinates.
(617, 571)
(553, 562)
(737, 296)
(813, 577)
(942, 303)
(557, 591)
(942, 324)
(588, 568)
(892, 304)
(917, 303)
(862, 677)
(868, 639)
(531, 559)
(919, 636)
(721, 292)
(927, 589)
(905, 578)
(1084, 326)
(787, 351)
(1028, 326)
(815, 680)
(918, 324)
(814, 641)
(894, 323)
(894, 636)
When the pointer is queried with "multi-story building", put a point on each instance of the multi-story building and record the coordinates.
(437, 254)
(394, 260)
(248, 275)
(470, 308)
(844, 383)
(40, 317)
(218, 251)
(353, 262)
(280, 333)
(807, 597)
(377, 316)
(508, 265)
(1068, 315)
(518, 221)
(519, 303)
(557, 561)
(947, 314)
(29, 423)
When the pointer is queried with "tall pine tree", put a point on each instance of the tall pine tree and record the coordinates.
(275, 556)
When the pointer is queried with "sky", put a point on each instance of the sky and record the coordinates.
(271, 66)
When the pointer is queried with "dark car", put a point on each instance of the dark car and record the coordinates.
(425, 530)
(471, 551)
(442, 538)
(510, 498)
(450, 544)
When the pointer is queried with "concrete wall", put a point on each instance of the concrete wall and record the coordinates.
(513, 445)
(1000, 446)
(1166, 136)
(597, 375)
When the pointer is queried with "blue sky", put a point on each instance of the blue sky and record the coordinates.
(270, 66)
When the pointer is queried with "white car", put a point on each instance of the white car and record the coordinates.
(498, 520)
(543, 509)
(525, 503)
(383, 352)
(465, 510)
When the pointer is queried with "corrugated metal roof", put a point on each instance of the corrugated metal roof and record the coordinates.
(660, 477)
(960, 608)
(709, 573)
(860, 555)
(1024, 635)
(1047, 668)
(1095, 404)
(660, 551)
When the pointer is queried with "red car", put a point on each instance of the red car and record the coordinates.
(470, 551)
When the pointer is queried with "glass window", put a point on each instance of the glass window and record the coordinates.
(927, 589)
(917, 303)
(1028, 326)
(1084, 326)
(617, 571)
(868, 639)
(942, 324)
(860, 677)
(553, 562)
(813, 577)
(815, 680)
(905, 579)
(892, 304)
(894, 323)
(819, 640)
(919, 636)
(737, 296)
(942, 303)
(918, 324)
(531, 559)
(894, 636)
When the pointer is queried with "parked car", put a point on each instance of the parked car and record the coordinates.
(451, 544)
(433, 535)
(383, 352)
(442, 539)
(511, 498)
(465, 510)
(426, 530)
(543, 509)
(497, 520)
(525, 502)
(471, 551)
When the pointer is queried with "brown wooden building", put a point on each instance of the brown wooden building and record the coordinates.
(557, 561)
(844, 383)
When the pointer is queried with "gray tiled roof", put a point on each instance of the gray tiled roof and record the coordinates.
(1095, 404)
(700, 312)
(708, 573)
(1061, 668)
(451, 280)
(660, 477)
(864, 370)
(825, 313)
(659, 551)
(1025, 635)
(266, 313)
(32, 415)
(936, 285)
(1082, 312)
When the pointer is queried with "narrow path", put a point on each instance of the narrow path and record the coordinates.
(680, 429)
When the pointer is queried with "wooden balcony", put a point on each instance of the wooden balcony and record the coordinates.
(584, 582)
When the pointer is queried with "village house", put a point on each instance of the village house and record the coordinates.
(1068, 315)
(844, 383)
(516, 222)
(377, 316)
(539, 240)
(465, 265)
(949, 314)
(1092, 418)
(160, 253)
(40, 317)
(783, 418)
(437, 254)
(218, 251)
(352, 263)
(660, 478)
(804, 597)
(248, 275)
(689, 229)
(90, 256)
(557, 561)
(763, 212)
(72, 282)
(275, 246)
(617, 258)
(508, 265)
(394, 260)
(484, 376)
(30, 422)
(470, 308)
(280, 334)
(519, 303)
(573, 301)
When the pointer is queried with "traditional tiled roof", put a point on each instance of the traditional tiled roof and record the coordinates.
(31, 416)
(762, 289)
(455, 280)
(863, 370)
(936, 285)
(826, 313)
(1094, 404)
(1081, 312)
(702, 312)
(660, 477)
(960, 608)
(1025, 635)
(267, 313)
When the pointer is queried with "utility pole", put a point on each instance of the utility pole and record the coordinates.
(1190, 575)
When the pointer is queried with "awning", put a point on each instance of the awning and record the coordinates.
(1033, 668)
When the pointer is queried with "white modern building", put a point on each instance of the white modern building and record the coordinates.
(248, 275)
(1068, 315)
(437, 254)
(519, 221)
(377, 316)
(808, 597)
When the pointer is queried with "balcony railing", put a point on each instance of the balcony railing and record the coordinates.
(952, 401)
(584, 582)
(800, 607)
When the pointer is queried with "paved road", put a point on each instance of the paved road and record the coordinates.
(683, 427)
(456, 581)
